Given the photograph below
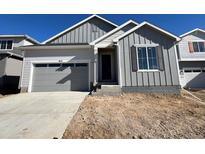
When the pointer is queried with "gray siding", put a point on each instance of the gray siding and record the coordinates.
(184, 47)
(110, 38)
(13, 66)
(2, 69)
(84, 33)
(2, 64)
(10, 70)
(146, 35)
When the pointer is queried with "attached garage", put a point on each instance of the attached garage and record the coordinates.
(60, 77)
(193, 78)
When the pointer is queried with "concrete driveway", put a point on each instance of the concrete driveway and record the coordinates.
(38, 115)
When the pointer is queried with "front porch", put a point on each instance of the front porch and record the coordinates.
(106, 74)
(106, 66)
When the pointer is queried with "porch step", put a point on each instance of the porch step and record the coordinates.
(111, 90)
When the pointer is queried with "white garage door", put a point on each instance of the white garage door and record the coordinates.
(60, 77)
(193, 78)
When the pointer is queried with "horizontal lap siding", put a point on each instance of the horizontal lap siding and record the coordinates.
(84, 33)
(145, 35)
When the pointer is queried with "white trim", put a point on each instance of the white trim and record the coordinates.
(113, 31)
(119, 65)
(191, 59)
(148, 70)
(21, 36)
(95, 65)
(194, 30)
(79, 23)
(149, 24)
(60, 62)
(196, 40)
(12, 47)
(178, 70)
(22, 73)
(147, 58)
(198, 47)
(30, 78)
(146, 45)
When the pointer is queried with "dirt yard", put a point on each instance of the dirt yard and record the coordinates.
(199, 93)
(138, 116)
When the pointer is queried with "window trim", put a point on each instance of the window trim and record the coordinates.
(146, 46)
(198, 41)
(7, 44)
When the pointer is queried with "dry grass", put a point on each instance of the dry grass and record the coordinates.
(138, 116)
(199, 93)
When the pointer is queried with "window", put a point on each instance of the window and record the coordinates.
(6, 44)
(81, 65)
(187, 71)
(67, 65)
(9, 44)
(54, 65)
(198, 46)
(41, 65)
(147, 58)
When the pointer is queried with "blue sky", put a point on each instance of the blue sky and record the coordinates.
(41, 27)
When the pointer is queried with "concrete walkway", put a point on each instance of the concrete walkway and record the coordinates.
(38, 115)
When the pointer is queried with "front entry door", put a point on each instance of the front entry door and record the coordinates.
(106, 67)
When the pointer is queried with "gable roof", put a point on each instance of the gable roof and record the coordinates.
(194, 30)
(113, 31)
(149, 24)
(76, 25)
(27, 37)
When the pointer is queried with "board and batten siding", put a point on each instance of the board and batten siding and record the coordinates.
(42, 56)
(146, 35)
(110, 38)
(84, 33)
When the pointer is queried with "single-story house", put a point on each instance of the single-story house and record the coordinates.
(11, 59)
(191, 55)
(95, 51)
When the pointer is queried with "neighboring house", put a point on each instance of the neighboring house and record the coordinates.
(191, 55)
(11, 60)
(95, 51)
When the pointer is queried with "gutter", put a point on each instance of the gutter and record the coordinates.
(12, 54)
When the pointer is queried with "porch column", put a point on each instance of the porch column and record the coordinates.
(95, 65)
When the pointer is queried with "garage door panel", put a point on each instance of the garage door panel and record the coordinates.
(192, 79)
(60, 78)
(50, 77)
(195, 80)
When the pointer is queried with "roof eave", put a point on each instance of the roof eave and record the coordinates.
(21, 36)
(189, 32)
(113, 31)
(149, 24)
